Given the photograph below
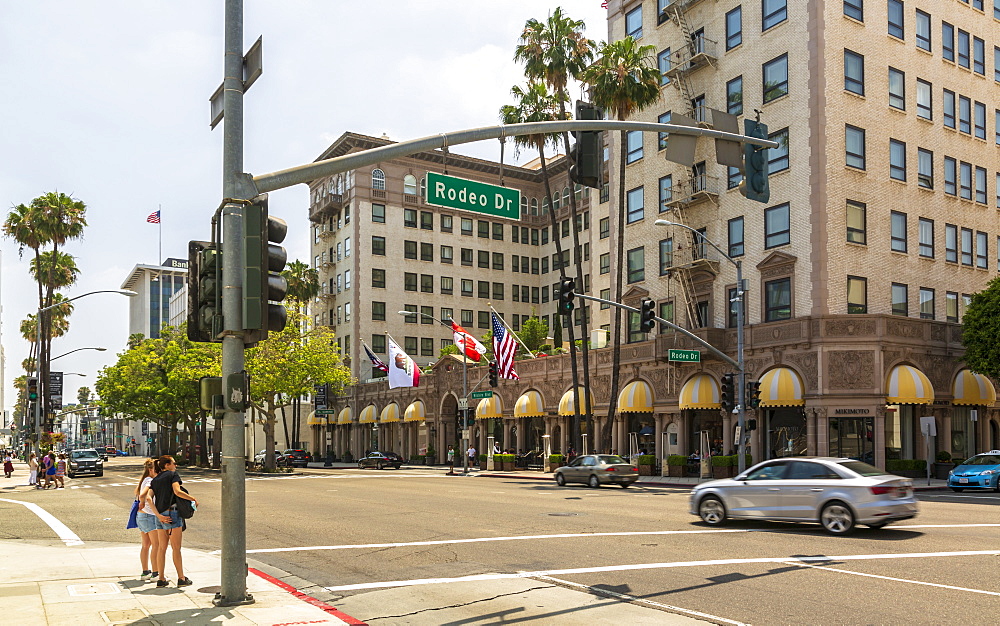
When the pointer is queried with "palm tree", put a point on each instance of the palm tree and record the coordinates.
(624, 80)
(555, 51)
(303, 286)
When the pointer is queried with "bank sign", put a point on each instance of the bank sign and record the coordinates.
(451, 192)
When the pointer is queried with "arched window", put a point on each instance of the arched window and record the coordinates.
(555, 201)
(524, 205)
(578, 190)
(545, 205)
(423, 187)
(378, 179)
(565, 196)
(534, 206)
(410, 184)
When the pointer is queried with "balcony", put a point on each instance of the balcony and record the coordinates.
(327, 204)
(698, 54)
(694, 190)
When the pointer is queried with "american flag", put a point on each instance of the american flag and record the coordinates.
(376, 362)
(154, 217)
(504, 349)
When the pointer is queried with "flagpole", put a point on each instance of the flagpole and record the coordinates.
(504, 322)
(159, 214)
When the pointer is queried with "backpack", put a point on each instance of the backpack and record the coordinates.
(185, 508)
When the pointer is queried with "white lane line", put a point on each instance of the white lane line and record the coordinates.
(962, 497)
(904, 526)
(899, 580)
(641, 601)
(68, 536)
(647, 566)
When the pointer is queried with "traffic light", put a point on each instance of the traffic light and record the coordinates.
(494, 374)
(753, 394)
(726, 397)
(647, 311)
(32, 389)
(204, 283)
(566, 295)
(263, 285)
(754, 184)
(586, 156)
(751, 424)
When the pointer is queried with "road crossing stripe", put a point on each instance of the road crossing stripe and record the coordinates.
(648, 566)
(62, 531)
(899, 580)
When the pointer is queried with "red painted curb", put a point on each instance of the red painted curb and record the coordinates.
(311, 600)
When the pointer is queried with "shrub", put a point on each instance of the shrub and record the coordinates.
(896, 465)
(944, 456)
(722, 461)
(647, 459)
(556, 458)
(417, 457)
(431, 451)
(677, 460)
(483, 457)
(506, 458)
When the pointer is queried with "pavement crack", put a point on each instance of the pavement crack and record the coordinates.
(460, 604)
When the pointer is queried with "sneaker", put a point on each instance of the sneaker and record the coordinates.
(183, 582)
(163, 583)
(145, 574)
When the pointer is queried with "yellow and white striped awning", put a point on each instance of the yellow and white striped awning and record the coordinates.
(908, 385)
(973, 389)
(313, 420)
(781, 387)
(700, 392)
(636, 397)
(529, 405)
(346, 416)
(415, 412)
(389, 414)
(567, 407)
(489, 408)
(368, 415)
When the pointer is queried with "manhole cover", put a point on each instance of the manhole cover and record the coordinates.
(564, 514)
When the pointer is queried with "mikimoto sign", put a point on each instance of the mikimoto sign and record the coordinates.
(451, 192)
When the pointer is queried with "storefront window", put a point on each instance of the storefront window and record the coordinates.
(707, 420)
(853, 438)
(786, 433)
(963, 433)
(899, 431)
(641, 426)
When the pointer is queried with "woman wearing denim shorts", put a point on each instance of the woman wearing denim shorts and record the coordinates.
(166, 488)
(145, 518)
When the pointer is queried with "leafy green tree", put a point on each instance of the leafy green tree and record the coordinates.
(534, 333)
(303, 286)
(449, 349)
(981, 331)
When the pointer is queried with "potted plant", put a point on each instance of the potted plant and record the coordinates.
(676, 465)
(429, 458)
(722, 466)
(348, 457)
(943, 465)
(646, 463)
(503, 462)
(482, 461)
(417, 459)
(555, 461)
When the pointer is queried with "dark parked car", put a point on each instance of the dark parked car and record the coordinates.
(381, 460)
(295, 458)
(258, 459)
(85, 461)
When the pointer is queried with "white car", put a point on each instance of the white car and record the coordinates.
(836, 493)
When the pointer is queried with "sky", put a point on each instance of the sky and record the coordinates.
(107, 101)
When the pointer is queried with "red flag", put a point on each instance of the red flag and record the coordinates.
(467, 343)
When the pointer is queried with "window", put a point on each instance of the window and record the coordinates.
(926, 238)
(634, 202)
(857, 231)
(775, 74)
(605, 295)
(347, 247)
(897, 160)
(409, 281)
(857, 295)
(409, 249)
(947, 41)
(378, 246)
(996, 124)
(951, 243)
(483, 228)
(982, 250)
(855, 146)
(963, 49)
(410, 345)
(661, 141)
(897, 227)
(979, 56)
(498, 291)
(426, 251)
(734, 96)
(854, 72)
(925, 168)
(926, 303)
(663, 63)
(736, 236)
(778, 300)
(447, 254)
(426, 220)
(923, 30)
(925, 108)
(980, 120)
(466, 226)
(466, 255)
(378, 344)
(950, 176)
(776, 226)
(483, 259)
(667, 313)
(966, 249)
(996, 54)
(981, 185)
(633, 23)
(410, 218)
(378, 213)
(604, 226)
(633, 143)
(378, 311)
(378, 179)
(900, 300)
(965, 115)
(497, 231)
(734, 28)
(636, 264)
(854, 9)
(426, 283)
(426, 315)
(426, 346)
(896, 18)
(605, 263)
(483, 287)
(948, 98)
(732, 315)
(777, 158)
(498, 261)
(666, 255)
(447, 287)
(965, 180)
(733, 177)
(951, 306)
(774, 13)
(447, 223)
(466, 286)
(378, 278)
(897, 89)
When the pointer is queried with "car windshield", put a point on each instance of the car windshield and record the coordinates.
(84, 454)
(612, 459)
(862, 469)
(983, 459)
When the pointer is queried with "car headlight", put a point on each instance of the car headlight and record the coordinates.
(989, 472)
(73, 464)
(951, 473)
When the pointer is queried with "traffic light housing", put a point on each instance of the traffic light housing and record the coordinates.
(647, 311)
(726, 396)
(586, 156)
(754, 185)
(753, 394)
(494, 374)
(567, 286)
(263, 260)
(204, 283)
(32, 389)
(751, 424)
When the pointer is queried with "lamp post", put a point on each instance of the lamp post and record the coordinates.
(42, 386)
(740, 310)
(77, 350)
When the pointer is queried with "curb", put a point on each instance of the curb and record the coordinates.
(344, 617)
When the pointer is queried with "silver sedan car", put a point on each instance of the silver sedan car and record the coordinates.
(597, 469)
(837, 493)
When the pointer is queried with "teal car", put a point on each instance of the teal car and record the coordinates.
(981, 471)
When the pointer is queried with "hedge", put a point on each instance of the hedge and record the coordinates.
(677, 460)
(646, 459)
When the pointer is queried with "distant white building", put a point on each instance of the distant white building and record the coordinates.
(155, 284)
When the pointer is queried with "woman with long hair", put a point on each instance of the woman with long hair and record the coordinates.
(146, 519)
(33, 471)
(166, 488)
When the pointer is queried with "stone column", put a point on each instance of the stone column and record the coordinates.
(727, 432)
(879, 436)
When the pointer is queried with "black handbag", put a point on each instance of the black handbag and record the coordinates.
(185, 508)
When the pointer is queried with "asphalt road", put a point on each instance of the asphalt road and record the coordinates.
(399, 546)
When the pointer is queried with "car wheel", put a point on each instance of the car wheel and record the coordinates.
(560, 480)
(957, 489)
(100, 473)
(594, 481)
(878, 526)
(379, 465)
(71, 475)
(837, 518)
(625, 485)
(360, 465)
(712, 511)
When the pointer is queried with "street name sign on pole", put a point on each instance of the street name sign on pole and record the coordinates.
(479, 395)
(452, 192)
(320, 412)
(684, 356)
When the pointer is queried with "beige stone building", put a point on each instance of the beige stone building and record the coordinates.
(882, 220)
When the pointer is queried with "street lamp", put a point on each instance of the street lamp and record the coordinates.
(38, 346)
(77, 350)
(739, 299)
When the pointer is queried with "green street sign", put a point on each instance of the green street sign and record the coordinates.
(451, 192)
(478, 395)
(684, 356)
(326, 412)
